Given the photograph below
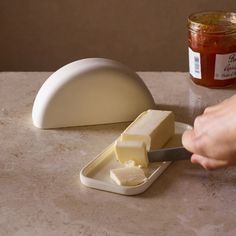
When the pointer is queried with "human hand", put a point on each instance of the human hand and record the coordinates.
(213, 137)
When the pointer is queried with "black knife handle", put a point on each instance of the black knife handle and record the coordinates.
(169, 154)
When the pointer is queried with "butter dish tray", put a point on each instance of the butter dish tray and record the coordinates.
(96, 174)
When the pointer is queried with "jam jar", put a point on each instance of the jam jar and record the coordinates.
(212, 48)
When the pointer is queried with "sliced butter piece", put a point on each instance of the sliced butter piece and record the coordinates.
(128, 176)
(126, 151)
(154, 127)
(130, 163)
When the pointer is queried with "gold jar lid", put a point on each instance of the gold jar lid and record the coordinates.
(213, 22)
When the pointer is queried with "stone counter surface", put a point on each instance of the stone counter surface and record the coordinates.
(40, 190)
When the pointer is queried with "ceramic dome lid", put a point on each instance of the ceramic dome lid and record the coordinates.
(89, 92)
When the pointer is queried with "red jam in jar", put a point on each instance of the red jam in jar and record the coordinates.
(212, 48)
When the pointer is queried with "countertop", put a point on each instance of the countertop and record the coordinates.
(40, 189)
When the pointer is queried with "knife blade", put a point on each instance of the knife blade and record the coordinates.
(169, 154)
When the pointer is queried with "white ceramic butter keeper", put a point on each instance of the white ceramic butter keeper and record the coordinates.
(96, 174)
(88, 92)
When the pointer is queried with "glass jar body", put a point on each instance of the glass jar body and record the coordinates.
(212, 49)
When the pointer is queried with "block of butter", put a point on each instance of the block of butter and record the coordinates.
(153, 127)
(131, 150)
(128, 176)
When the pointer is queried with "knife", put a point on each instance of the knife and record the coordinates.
(169, 154)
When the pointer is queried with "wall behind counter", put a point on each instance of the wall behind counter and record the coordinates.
(147, 35)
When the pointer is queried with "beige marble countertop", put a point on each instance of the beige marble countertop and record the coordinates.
(40, 190)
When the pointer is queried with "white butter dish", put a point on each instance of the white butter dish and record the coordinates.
(96, 174)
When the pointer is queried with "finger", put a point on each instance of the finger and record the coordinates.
(195, 143)
(188, 140)
(207, 163)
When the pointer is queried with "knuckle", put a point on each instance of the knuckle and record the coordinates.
(207, 110)
(198, 121)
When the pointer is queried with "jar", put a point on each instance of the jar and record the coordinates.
(212, 48)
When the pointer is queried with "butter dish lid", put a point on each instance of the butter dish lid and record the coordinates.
(89, 92)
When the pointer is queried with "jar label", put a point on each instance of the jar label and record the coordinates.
(194, 64)
(225, 66)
